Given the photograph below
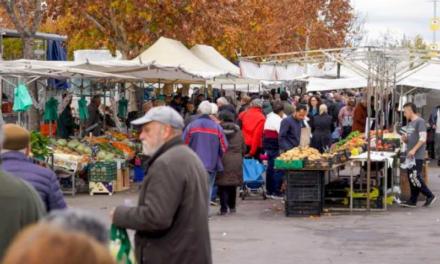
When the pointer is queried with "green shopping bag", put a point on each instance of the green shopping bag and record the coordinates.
(122, 108)
(120, 246)
(51, 110)
(83, 111)
(22, 99)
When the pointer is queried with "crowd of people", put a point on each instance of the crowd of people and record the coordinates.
(195, 151)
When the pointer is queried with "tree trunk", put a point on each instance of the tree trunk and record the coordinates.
(34, 113)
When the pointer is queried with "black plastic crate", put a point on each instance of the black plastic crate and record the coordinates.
(304, 178)
(303, 208)
(309, 194)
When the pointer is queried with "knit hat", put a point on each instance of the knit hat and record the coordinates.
(16, 137)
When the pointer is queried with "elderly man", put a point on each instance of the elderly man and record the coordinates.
(206, 138)
(171, 218)
(252, 123)
(16, 161)
(224, 105)
(20, 206)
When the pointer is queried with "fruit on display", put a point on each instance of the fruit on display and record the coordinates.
(354, 141)
(301, 153)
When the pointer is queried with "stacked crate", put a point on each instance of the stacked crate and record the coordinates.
(102, 177)
(304, 193)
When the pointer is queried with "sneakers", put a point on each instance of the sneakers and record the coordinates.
(408, 205)
(276, 197)
(430, 201)
(232, 211)
(213, 203)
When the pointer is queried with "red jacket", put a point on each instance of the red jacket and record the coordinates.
(252, 122)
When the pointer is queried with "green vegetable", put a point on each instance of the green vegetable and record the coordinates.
(40, 145)
(62, 142)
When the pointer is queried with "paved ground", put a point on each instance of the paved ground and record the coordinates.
(260, 233)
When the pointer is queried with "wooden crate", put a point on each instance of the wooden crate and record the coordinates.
(101, 188)
(122, 180)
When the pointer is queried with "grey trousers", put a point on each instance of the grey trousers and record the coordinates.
(437, 146)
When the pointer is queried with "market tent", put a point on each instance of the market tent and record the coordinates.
(426, 77)
(212, 57)
(172, 53)
(327, 84)
(100, 70)
(329, 80)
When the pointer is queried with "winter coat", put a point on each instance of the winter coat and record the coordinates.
(20, 206)
(207, 139)
(66, 123)
(42, 179)
(171, 219)
(232, 174)
(252, 121)
(290, 133)
(433, 117)
(322, 132)
(271, 131)
(95, 118)
(229, 108)
(359, 118)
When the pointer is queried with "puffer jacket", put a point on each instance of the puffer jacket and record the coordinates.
(43, 180)
(232, 174)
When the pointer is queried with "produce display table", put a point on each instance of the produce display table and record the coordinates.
(387, 158)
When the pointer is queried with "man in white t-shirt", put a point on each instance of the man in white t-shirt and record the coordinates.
(434, 122)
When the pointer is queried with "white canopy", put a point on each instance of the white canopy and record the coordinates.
(172, 53)
(100, 70)
(212, 57)
(427, 77)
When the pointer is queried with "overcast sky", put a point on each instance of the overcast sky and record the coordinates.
(409, 17)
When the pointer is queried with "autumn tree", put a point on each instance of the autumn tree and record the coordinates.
(26, 16)
(247, 26)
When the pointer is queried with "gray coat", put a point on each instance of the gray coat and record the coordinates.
(171, 219)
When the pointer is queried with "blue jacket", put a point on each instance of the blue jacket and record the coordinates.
(43, 180)
(290, 133)
(206, 138)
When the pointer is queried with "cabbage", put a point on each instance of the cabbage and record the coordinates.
(109, 156)
(88, 151)
(101, 155)
(62, 142)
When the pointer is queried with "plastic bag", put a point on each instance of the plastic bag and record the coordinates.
(51, 110)
(22, 99)
(120, 246)
(82, 108)
(252, 170)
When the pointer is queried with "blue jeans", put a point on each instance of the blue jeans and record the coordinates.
(274, 178)
(212, 186)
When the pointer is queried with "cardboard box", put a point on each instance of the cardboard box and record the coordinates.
(122, 179)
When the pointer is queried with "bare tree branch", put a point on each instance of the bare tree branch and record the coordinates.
(38, 17)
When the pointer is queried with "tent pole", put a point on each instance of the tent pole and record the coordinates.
(369, 91)
(81, 124)
(105, 105)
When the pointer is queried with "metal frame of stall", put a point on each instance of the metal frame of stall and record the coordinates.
(383, 68)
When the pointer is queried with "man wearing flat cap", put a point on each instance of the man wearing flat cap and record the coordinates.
(16, 148)
(171, 218)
